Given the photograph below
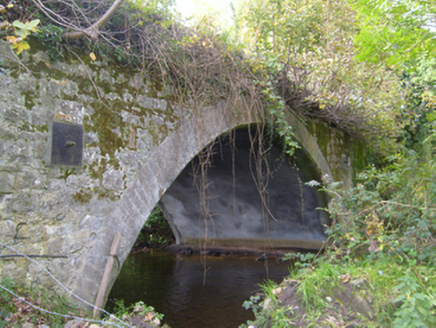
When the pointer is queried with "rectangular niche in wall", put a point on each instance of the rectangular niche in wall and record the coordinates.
(66, 144)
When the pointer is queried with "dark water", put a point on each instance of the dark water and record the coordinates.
(194, 291)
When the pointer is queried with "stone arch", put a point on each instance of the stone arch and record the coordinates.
(164, 163)
(156, 175)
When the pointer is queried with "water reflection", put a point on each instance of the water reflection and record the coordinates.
(194, 291)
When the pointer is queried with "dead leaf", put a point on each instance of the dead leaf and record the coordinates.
(4, 25)
(149, 316)
(345, 278)
(62, 116)
(374, 246)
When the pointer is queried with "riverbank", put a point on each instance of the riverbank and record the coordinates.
(332, 293)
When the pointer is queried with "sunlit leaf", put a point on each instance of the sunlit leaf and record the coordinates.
(13, 40)
(19, 47)
(32, 25)
(19, 24)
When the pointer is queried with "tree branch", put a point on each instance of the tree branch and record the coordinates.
(92, 31)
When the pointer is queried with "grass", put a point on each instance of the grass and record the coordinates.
(15, 311)
(54, 310)
(336, 292)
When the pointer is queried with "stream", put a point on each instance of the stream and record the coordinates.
(195, 291)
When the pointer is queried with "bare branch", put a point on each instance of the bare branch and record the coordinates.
(92, 31)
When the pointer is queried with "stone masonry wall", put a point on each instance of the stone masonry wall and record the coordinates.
(136, 142)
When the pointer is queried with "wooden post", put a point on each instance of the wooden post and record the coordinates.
(106, 276)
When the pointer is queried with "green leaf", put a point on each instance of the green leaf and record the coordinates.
(400, 298)
(19, 25)
(32, 25)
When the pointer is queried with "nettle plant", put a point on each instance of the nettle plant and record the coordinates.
(17, 31)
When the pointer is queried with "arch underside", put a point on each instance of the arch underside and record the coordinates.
(240, 199)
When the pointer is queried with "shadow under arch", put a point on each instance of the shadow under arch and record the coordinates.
(256, 202)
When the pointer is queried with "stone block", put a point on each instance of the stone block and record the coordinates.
(41, 56)
(40, 151)
(14, 271)
(7, 228)
(20, 152)
(105, 76)
(87, 288)
(152, 103)
(29, 178)
(15, 113)
(6, 182)
(55, 246)
(131, 119)
(72, 109)
(24, 202)
(70, 88)
(8, 131)
(137, 82)
(27, 82)
(41, 114)
(5, 201)
(113, 179)
(127, 97)
(91, 223)
(128, 159)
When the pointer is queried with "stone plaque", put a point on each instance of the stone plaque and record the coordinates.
(67, 144)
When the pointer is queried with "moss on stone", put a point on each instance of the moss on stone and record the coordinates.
(82, 196)
(29, 99)
(65, 173)
(105, 193)
(41, 128)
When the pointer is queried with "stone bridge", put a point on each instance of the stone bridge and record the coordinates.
(88, 150)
